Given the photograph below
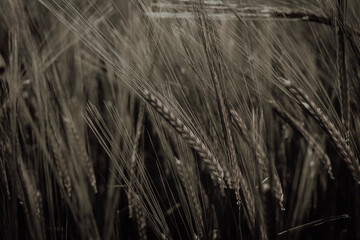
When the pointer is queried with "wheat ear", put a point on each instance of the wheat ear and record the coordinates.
(34, 197)
(139, 128)
(241, 126)
(140, 217)
(134, 204)
(260, 155)
(189, 187)
(340, 143)
(297, 126)
(4, 155)
(75, 141)
(211, 162)
(60, 163)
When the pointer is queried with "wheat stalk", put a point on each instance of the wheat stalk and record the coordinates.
(341, 68)
(214, 60)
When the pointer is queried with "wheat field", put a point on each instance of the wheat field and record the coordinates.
(180, 119)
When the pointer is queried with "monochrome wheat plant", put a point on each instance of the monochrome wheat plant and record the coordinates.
(179, 119)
